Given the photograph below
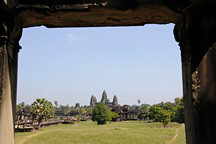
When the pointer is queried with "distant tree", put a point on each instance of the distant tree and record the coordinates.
(42, 109)
(170, 107)
(178, 101)
(23, 114)
(83, 111)
(179, 111)
(64, 109)
(159, 114)
(155, 113)
(56, 108)
(27, 108)
(20, 112)
(101, 114)
(104, 98)
(145, 107)
(167, 105)
(144, 112)
(23, 109)
(165, 117)
(20, 106)
(89, 110)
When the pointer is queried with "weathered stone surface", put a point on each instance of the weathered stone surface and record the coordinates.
(104, 99)
(92, 13)
(10, 35)
(206, 100)
(6, 110)
(93, 101)
(98, 16)
(195, 31)
(3, 39)
(115, 100)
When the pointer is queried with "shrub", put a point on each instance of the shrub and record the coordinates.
(101, 114)
(114, 116)
(158, 114)
(165, 117)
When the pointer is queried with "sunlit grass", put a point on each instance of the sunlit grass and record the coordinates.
(181, 136)
(114, 133)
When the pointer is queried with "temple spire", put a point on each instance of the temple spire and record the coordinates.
(93, 101)
(115, 100)
(104, 99)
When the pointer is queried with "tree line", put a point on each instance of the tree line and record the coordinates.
(164, 112)
(43, 110)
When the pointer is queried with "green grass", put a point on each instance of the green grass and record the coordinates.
(180, 139)
(114, 133)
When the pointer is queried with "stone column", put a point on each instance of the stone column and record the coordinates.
(190, 125)
(181, 36)
(200, 99)
(199, 84)
(206, 99)
(6, 108)
(9, 47)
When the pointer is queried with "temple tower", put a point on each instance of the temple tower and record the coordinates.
(115, 100)
(104, 98)
(93, 101)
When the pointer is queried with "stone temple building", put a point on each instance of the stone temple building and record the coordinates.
(125, 112)
(104, 100)
(93, 101)
(195, 29)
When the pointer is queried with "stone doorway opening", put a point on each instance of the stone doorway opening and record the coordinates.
(37, 57)
(77, 51)
(197, 50)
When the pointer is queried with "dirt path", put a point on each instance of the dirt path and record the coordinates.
(175, 136)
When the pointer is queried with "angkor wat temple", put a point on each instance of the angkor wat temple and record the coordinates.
(195, 28)
(104, 100)
(124, 111)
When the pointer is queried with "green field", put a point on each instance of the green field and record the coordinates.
(114, 133)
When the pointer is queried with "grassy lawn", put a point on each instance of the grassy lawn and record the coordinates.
(114, 133)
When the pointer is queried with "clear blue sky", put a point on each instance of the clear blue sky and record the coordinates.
(71, 64)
